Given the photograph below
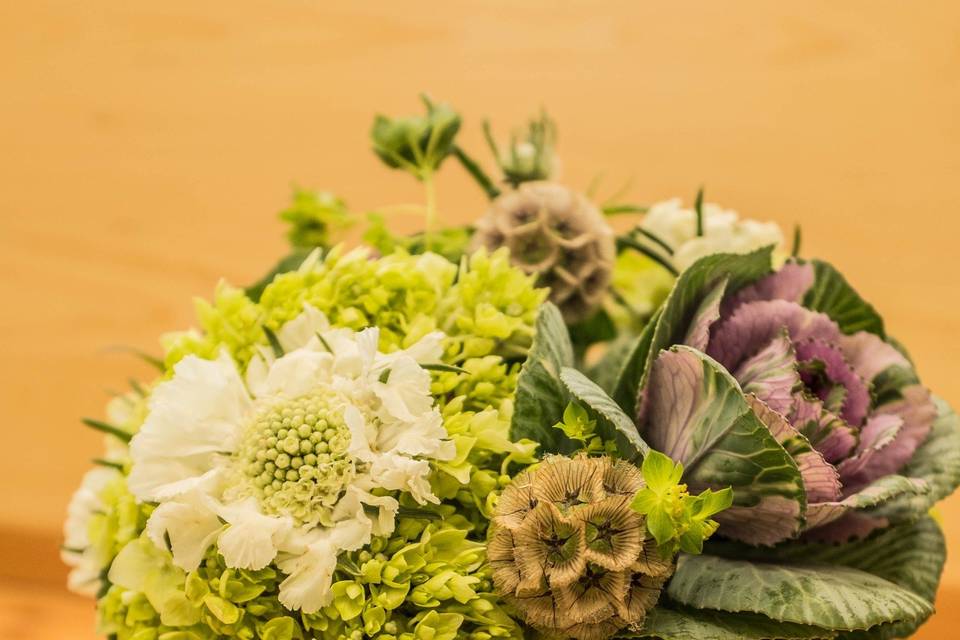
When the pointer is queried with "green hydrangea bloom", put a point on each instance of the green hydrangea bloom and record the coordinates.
(492, 308)
(232, 321)
(118, 523)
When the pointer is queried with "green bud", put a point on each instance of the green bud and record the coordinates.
(417, 144)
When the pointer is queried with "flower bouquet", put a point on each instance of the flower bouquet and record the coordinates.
(531, 426)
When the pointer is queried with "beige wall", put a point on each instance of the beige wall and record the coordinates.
(146, 147)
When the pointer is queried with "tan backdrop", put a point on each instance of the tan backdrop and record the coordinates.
(146, 147)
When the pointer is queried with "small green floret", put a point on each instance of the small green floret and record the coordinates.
(578, 426)
(315, 217)
(676, 519)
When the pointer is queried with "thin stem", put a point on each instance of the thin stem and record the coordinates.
(698, 207)
(476, 172)
(797, 241)
(431, 210)
(628, 242)
(616, 209)
(655, 238)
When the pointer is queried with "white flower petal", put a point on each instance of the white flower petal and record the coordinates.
(296, 373)
(84, 576)
(426, 350)
(165, 478)
(194, 416)
(400, 473)
(360, 434)
(250, 540)
(424, 437)
(85, 501)
(352, 506)
(191, 525)
(310, 573)
(406, 392)
(302, 330)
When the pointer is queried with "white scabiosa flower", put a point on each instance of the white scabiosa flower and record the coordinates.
(78, 551)
(291, 464)
(723, 231)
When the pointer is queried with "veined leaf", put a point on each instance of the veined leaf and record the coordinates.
(614, 424)
(909, 555)
(695, 412)
(936, 461)
(541, 396)
(833, 295)
(879, 492)
(693, 624)
(831, 596)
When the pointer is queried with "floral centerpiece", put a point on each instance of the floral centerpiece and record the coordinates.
(529, 426)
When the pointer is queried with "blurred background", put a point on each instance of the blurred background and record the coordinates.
(145, 149)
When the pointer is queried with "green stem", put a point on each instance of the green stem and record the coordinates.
(431, 210)
(698, 207)
(617, 209)
(476, 172)
(630, 243)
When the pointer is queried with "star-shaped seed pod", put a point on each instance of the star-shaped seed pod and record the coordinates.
(570, 555)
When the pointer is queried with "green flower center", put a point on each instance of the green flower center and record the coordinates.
(294, 455)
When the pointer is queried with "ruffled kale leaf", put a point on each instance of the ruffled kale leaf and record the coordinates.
(694, 412)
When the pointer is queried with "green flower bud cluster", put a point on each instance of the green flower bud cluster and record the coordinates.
(295, 456)
(314, 216)
(427, 581)
(120, 522)
(220, 602)
(492, 308)
(397, 293)
(232, 320)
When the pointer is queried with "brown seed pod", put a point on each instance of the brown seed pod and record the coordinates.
(558, 234)
(570, 555)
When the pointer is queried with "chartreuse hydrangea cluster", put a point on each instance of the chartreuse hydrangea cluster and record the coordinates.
(426, 579)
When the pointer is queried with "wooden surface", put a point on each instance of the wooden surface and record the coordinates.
(144, 148)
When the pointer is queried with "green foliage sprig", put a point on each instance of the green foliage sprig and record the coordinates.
(676, 519)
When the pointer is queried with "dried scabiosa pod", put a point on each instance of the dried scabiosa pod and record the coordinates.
(559, 235)
(568, 552)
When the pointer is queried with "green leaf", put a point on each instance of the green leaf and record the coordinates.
(615, 425)
(100, 425)
(598, 327)
(697, 415)
(660, 472)
(936, 461)
(289, 263)
(441, 366)
(225, 611)
(834, 597)
(691, 624)
(833, 295)
(541, 396)
(710, 503)
(695, 283)
(631, 367)
(909, 555)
